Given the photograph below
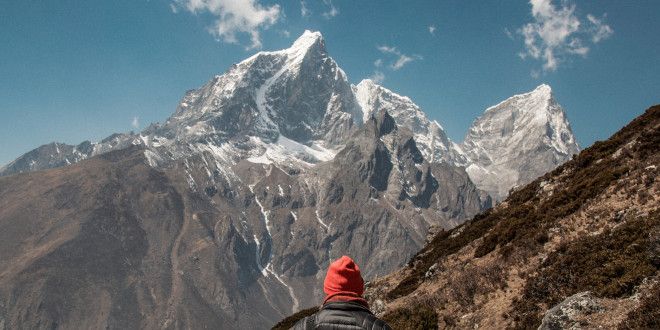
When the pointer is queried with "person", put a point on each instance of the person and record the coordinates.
(343, 306)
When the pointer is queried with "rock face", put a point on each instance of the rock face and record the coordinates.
(518, 140)
(430, 136)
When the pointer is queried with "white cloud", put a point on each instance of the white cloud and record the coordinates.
(601, 31)
(377, 77)
(388, 49)
(332, 10)
(174, 8)
(285, 33)
(304, 11)
(234, 17)
(378, 63)
(135, 123)
(557, 33)
(432, 29)
(401, 59)
(535, 74)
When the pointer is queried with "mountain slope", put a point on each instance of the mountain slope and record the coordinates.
(584, 238)
(195, 244)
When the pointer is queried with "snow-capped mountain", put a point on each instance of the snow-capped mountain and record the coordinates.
(233, 207)
(299, 92)
(517, 140)
(429, 135)
(295, 107)
(290, 105)
(260, 177)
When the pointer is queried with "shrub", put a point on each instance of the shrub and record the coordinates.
(417, 317)
(611, 265)
(647, 315)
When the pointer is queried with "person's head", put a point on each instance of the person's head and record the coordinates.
(343, 279)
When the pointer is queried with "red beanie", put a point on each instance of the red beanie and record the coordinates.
(343, 278)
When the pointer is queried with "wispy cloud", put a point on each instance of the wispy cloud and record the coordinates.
(557, 33)
(378, 63)
(304, 11)
(432, 29)
(332, 10)
(135, 123)
(387, 49)
(377, 77)
(401, 61)
(401, 58)
(235, 16)
(600, 30)
(508, 33)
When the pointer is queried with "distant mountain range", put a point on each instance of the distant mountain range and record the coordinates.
(301, 95)
(229, 212)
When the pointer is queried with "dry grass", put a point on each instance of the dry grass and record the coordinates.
(585, 226)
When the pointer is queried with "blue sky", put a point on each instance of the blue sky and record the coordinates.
(74, 70)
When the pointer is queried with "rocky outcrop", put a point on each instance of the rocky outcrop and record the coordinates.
(570, 313)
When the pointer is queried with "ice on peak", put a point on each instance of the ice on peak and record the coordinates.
(368, 83)
(307, 41)
(542, 92)
(308, 38)
(545, 88)
(299, 47)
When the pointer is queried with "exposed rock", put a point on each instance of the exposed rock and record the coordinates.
(568, 313)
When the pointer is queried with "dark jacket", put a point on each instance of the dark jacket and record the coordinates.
(342, 315)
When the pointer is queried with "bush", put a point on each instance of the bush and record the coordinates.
(415, 318)
(647, 315)
(610, 265)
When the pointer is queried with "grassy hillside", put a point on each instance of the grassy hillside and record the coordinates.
(593, 224)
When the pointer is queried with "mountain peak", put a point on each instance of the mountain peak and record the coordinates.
(307, 40)
(543, 90)
(367, 82)
(517, 140)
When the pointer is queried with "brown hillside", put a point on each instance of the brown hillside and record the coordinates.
(586, 234)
